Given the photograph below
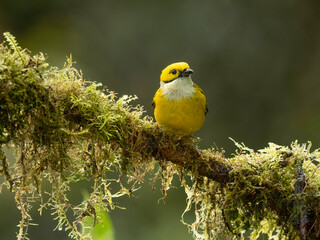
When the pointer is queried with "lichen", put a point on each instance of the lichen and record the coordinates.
(65, 129)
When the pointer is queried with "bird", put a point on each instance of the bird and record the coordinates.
(179, 104)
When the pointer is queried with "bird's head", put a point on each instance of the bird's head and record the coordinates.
(174, 71)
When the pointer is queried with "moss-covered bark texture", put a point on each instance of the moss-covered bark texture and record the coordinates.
(64, 129)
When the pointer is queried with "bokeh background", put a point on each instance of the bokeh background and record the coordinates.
(257, 61)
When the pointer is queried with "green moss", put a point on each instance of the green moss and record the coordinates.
(65, 129)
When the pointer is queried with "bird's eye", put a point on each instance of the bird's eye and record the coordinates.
(174, 72)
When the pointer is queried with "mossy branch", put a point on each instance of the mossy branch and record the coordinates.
(65, 129)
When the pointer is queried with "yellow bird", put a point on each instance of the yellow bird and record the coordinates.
(179, 104)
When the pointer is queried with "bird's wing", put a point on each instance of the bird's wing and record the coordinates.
(153, 104)
(153, 100)
(202, 96)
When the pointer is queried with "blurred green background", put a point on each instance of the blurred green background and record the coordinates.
(257, 61)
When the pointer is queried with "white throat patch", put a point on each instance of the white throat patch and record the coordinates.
(181, 87)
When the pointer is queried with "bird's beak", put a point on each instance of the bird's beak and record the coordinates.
(187, 72)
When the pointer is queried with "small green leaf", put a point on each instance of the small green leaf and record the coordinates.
(102, 228)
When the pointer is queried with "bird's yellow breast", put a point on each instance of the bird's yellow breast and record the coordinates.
(184, 116)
